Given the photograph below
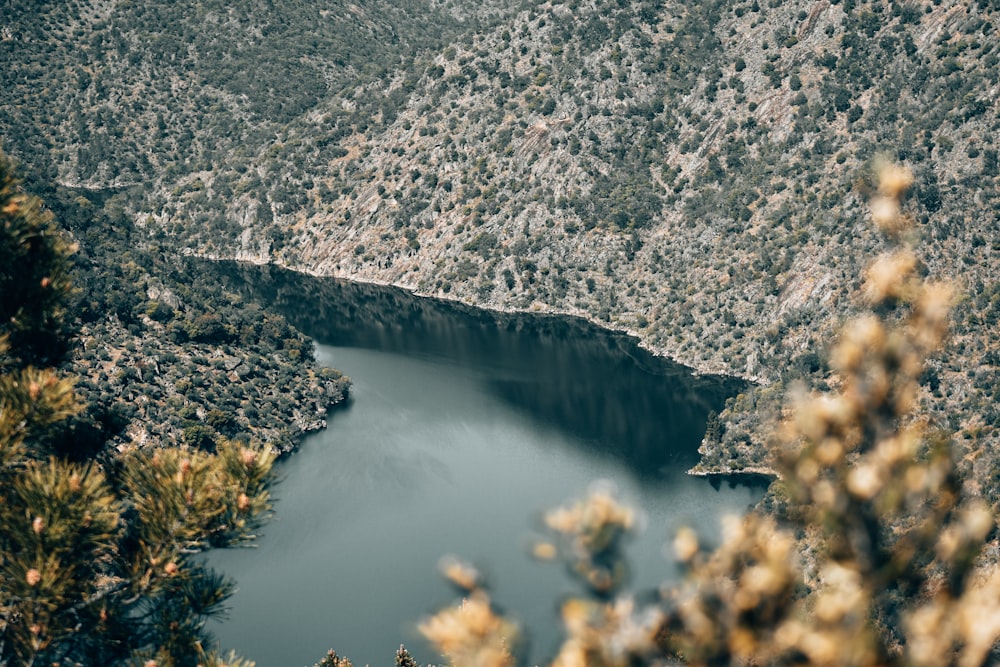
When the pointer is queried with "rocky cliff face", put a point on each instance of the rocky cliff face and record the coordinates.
(695, 173)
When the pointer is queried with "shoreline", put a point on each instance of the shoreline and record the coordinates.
(696, 369)
(754, 471)
(761, 472)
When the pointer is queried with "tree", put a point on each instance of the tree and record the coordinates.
(34, 275)
(96, 556)
(404, 659)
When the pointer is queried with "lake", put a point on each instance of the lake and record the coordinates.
(462, 427)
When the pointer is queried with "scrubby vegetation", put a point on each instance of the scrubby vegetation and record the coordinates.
(693, 172)
(540, 156)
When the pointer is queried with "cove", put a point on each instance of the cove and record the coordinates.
(462, 427)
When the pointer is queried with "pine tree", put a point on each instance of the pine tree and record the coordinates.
(96, 556)
(331, 659)
(34, 276)
(404, 659)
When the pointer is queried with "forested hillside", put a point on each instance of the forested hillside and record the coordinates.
(693, 172)
(164, 356)
(122, 93)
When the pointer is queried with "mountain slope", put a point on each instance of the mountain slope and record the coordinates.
(694, 172)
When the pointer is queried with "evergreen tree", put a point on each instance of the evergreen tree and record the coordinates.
(96, 556)
(34, 275)
(404, 659)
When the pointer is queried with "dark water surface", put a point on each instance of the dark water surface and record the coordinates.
(462, 427)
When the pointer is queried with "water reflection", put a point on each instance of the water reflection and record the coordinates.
(561, 371)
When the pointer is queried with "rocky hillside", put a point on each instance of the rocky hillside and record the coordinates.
(694, 172)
